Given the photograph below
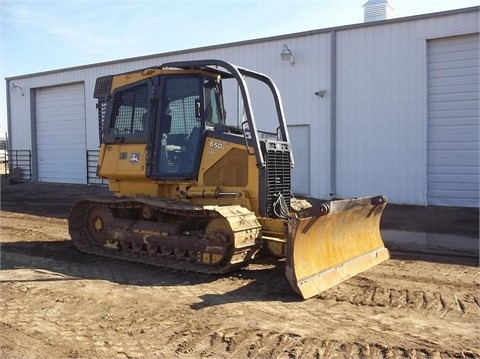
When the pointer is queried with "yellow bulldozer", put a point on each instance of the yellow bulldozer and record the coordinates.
(196, 193)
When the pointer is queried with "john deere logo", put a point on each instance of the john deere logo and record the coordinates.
(135, 158)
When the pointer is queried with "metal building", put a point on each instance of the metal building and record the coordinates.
(384, 107)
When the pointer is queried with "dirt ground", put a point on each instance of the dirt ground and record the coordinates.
(56, 302)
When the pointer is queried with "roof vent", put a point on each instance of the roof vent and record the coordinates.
(377, 10)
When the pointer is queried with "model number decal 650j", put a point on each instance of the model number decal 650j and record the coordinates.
(217, 145)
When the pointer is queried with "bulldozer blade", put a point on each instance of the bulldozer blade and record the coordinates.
(342, 240)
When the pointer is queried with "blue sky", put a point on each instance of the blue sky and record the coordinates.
(39, 35)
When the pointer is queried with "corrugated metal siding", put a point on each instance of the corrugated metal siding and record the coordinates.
(20, 126)
(300, 138)
(382, 107)
(453, 123)
(381, 99)
(60, 134)
(381, 113)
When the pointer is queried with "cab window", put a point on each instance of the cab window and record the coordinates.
(213, 114)
(180, 126)
(130, 109)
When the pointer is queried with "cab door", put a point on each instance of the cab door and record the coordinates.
(178, 130)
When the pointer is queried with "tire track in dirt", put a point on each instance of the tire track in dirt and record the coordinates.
(421, 301)
(235, 342)
(88, 306)
(208, 336)
(251, 341)
(454, 290)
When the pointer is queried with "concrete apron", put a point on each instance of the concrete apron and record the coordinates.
(431, 242)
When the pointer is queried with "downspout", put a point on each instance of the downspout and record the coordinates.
(9, 124)
(33, 121)
(333, 113)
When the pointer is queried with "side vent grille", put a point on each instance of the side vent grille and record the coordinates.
(102, 112)
(278, 170)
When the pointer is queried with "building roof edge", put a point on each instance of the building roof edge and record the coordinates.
(254, 41)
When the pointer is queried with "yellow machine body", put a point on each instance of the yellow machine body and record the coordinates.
(213, 205)
(226, 176)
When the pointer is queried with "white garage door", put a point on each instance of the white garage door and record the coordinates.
(300, 139)
(453, 121)
(60, 134)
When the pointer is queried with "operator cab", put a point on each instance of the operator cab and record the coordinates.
(169, 112)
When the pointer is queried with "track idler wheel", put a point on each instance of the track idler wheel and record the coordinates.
(97, 222)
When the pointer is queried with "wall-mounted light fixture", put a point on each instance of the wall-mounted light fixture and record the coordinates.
(15, 87)
(287, 54)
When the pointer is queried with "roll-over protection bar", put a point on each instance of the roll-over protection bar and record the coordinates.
(238, 73)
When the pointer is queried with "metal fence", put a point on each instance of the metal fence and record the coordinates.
(12, 160)
(92, 161)
(3, 161)
(17, 159)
